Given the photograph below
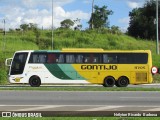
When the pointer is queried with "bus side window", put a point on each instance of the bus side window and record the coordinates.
(79, 58)
(59, 58)
(38, 58)
(109, 58)
(105, 58)
(87, 58)
(51, 58)
(42, 58)
(33, 58)
(92, 58)
(70, 58)
(96, 58)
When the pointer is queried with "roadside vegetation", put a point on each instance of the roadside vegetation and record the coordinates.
(78, 88)
(67, 38)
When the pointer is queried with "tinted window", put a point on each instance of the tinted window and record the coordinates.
(87, 58)
(107, 58)
(92, 58)
(38, 58)
(18, 63)
(79, 58)
(70, 58)
(110, 58)
(140, 58)
(60, 58)
(55, 58)
(125, 58)
(96, 58)
(52, 58)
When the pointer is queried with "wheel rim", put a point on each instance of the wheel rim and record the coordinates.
(109, 81)
(123, 82)
(35, 81)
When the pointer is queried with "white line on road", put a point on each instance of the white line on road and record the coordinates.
(38, 108)
(100, 108)
(78, 105)
(154, 109)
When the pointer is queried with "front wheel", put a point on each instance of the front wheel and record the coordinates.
(35, 81)
(122, 82)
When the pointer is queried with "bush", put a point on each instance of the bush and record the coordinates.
(44, 43)
(3, 76)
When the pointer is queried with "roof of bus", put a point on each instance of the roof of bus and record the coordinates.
(96, 50)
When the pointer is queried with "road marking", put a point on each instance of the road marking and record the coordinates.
(100, 108)
(80, 107)
(38, 108)
(133, 97)
(154, 109)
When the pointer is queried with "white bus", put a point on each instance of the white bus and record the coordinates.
(97, 66)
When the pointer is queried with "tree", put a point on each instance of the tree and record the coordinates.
(115, 30)
(67, 23)
(78, 24)
(32, 26)
(24, 27)
(142, 21)
(99, 17)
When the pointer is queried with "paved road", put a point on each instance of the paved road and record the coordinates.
(79, 101)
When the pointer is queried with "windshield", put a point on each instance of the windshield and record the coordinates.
(18, 63)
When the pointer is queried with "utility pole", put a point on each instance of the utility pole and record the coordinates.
(4, 35)
(92, 13)
(52, 25)
(157, 43)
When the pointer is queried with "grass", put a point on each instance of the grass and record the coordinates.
(82, 88)
(14, 41)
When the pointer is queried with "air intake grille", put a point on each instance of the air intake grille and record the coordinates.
(141, 77)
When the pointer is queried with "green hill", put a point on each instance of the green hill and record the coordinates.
(34, 40)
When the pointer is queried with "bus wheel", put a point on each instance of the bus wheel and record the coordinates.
(34, 81)
(122, 82)
(109, 81)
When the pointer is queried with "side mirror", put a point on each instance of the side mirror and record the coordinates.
(8, 62)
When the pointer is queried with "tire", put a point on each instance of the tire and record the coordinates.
(122, 82)
(109, 81)
(35, 81)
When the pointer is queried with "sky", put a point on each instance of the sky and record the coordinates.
(17, 12)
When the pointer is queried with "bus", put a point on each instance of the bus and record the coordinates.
(81, 66)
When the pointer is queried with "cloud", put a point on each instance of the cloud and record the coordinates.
(31, 11)
(44, 3)
(124, 20)
(125, 23)
(87, 1)
(135, 3)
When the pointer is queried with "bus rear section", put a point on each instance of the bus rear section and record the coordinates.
(118, 68)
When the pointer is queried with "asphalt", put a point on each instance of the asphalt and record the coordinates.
(79, 101)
